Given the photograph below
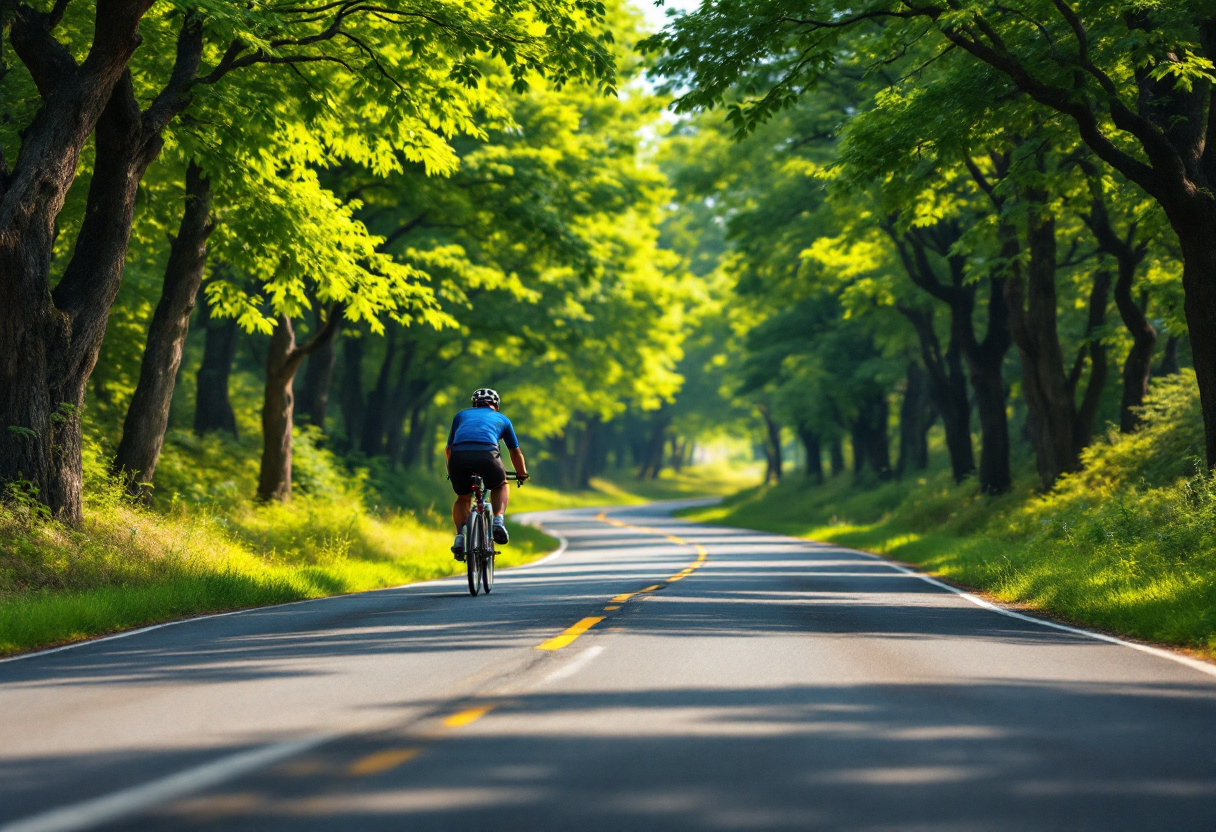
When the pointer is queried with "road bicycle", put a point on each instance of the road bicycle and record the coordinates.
(479, 548)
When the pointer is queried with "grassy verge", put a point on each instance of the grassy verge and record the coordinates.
(203, 549)
(1127, 545)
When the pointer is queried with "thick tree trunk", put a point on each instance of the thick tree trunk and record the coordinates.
(809, 438)
(213, 406)
(915, 418)
(52, 339)
(1032, 312)
(1087, 410)
(274, 478)
(318, 381)
(1199, 283)
(148, 414)
(352, 402)
(283, 360)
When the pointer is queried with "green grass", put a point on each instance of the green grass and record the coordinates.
(1127, 545)
(204, 547)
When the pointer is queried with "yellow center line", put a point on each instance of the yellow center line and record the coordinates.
(571, 633)
(612, 607)
(467, 717)
(382, 761)
(651, 588)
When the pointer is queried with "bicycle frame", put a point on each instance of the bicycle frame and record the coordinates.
(479, 548)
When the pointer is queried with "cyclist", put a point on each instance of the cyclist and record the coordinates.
(473, 449)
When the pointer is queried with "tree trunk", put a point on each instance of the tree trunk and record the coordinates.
(283, 360)
(148, 414)
(652, 462)
(1032, 314)
(871, 440)
(1128, 254)
(809, 438)
(318, 380)
(375, 418)
(836, 456)
(943, 382)
(1087, 411)
(772, 447)
(1199, 285)
(985, 360)
(413, 440)
(915, 418)
(353, 406)
(1169, 359)
(212, 406)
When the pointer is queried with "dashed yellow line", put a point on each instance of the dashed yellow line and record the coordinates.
(382, 761)
(571, 633)
(467, 716)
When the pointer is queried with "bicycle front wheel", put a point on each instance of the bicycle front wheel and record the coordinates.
(471, 553)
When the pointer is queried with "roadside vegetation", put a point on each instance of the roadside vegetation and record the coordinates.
(1127, 544)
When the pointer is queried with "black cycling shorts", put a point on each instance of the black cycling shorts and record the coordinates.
(464, 464)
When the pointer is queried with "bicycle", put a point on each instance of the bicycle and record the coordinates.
(479, 548)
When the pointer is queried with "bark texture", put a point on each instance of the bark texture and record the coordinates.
(148, 414)
(283, 360)
(49, 340)
(1031, 294)
(772, 446)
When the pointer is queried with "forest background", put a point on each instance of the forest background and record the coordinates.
(956, 263)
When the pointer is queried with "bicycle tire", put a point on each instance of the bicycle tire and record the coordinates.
(487, 571)
(471, 547)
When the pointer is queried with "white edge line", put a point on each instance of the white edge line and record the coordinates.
(561, 550)
(1194, 664)
(92, 813)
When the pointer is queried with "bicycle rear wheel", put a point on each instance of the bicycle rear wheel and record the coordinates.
(472, 545)
(487, 571)
(485, 553)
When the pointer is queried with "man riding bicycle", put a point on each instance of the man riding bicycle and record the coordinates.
(473, 449)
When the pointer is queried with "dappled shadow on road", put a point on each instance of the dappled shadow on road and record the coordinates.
(754, 585)
(988, 755)
(960, 742)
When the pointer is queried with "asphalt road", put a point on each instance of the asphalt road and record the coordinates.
(752, 682)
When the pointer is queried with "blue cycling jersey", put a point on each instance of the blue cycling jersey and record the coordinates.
(479, 428)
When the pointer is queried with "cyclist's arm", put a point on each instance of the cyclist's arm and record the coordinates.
(517, 460)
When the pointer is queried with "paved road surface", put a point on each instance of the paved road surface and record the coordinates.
(779, 684)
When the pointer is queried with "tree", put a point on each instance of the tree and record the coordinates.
(59, 332)
(1134, 83)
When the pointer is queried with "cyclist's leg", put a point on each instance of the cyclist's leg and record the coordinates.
(499, 498)
(461, 509)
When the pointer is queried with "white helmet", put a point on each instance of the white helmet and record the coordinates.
(486, 396)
